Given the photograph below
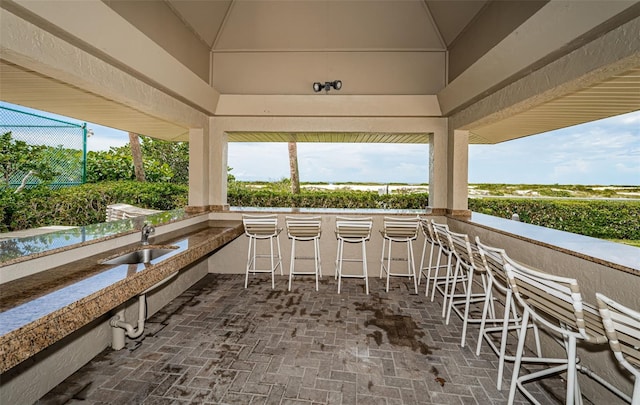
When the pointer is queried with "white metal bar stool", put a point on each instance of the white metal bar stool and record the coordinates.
(441, 283)
(469, 273)
(498, 290)
(352, 230)
(555, 303)
(622, 326)
(304, 229)
(430, 243)
(265, 228)
(399, 230)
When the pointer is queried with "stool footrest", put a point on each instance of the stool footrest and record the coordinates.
(262, 270)
(353, 276)
(401, 274)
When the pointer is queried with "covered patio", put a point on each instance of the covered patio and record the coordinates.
(445, 73)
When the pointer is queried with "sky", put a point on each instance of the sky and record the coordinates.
(604, 152)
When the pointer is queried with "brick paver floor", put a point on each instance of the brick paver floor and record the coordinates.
(219, 343)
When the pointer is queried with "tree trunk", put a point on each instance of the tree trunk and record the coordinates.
(293, 167)
(136, 153)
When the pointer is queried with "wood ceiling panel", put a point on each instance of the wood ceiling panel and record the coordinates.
(329, 137)
(616, 96)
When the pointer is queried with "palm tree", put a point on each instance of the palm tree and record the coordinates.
(136, 153)
(293, 168)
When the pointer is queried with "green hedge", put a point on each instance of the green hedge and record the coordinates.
(325, 199)
(83, 205)
(87, 204)
(607, 219)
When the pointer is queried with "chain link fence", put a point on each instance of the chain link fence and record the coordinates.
(61, 149)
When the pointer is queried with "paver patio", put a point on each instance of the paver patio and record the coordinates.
(219, 343)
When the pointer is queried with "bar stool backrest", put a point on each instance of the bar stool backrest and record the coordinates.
(555, 301)
(492, 259)
(303, 227)
(427, 230)
(462, 248)
(354, 229)
(622, 327)
(401, 228)
(442, 236)
(260, 225)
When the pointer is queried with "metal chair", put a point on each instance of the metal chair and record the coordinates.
(466, 273)
(622, 327)
(262, 228)
(555, 303)
(431, 243)
(441, 284)
(493, 260)
(404, 231)
(352, 230)
(304, 229)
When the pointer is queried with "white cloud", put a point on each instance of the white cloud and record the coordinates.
(601, 152)
(103, 138)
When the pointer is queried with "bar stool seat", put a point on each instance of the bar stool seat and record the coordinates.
(399, 230)
(304, 229)
(356, 231)
(262, 228)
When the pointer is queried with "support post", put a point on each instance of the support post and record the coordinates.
(217, 175)
(198, 170)
(458, 173)
(438, 169)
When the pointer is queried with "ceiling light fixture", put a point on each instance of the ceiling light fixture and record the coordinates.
(336, 84)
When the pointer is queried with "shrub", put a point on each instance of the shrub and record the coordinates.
(117, 164)
(243, 196)
(597, 218)
(86, 204)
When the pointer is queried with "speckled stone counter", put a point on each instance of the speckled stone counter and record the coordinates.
(17, 250)
(614, 255)
(39, 310)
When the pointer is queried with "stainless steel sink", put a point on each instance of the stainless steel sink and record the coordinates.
(142, 255)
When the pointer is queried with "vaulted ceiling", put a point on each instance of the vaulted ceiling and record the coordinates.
(413, 24)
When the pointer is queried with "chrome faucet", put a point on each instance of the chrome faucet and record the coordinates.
(146, 231)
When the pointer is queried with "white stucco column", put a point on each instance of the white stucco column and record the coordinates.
(458, 173)
(217, 166)
(198, 170)
(438, 145)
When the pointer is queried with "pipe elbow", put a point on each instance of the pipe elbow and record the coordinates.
(130, 331)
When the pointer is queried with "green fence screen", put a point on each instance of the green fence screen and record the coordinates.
(61, 146)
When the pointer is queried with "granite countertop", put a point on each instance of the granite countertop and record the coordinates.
(615, 255)
(38, 310)
(19, 249)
